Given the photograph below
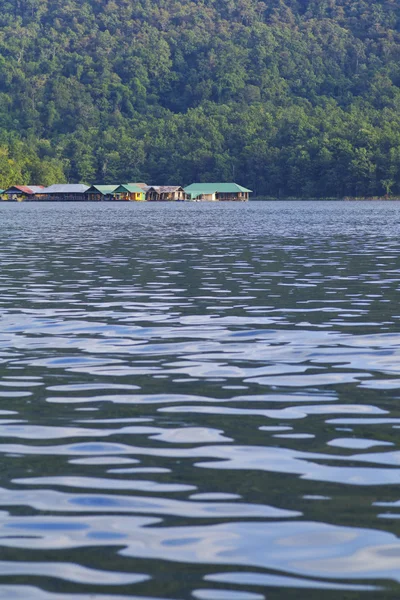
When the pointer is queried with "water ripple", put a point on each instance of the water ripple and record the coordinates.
(199, 401)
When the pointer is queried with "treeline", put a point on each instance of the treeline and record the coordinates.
(289, 98)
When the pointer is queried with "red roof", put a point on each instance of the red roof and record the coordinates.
(22, 188)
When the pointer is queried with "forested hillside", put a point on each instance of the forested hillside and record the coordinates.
(286, 97)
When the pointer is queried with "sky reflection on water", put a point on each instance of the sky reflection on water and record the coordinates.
(199, 401)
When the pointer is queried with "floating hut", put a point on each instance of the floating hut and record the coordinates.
(214, 192)
(138, 192)
(61, 192)
(18, 193)
(129, 191)
(100, 193)
(165, 193)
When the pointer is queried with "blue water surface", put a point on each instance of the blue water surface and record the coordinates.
(200, 401)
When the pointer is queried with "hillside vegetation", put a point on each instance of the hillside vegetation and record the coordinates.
(295, 98)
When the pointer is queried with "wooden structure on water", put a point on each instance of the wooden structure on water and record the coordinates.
(19, 193)
(100, 193)
(165, 193)
(214, 192)
(115, 193)
(62, 192)
(137, 192)
(130, 191)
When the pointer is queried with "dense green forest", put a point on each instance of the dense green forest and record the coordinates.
(287, 97)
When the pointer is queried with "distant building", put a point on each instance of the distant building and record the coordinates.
(60, 192)
(129, 191)
(217, 192)
(165, 193)
(100, 193)
(18, 193)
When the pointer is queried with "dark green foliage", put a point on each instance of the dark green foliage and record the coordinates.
(292, 97)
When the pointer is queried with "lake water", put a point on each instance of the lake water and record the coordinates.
(200, 401)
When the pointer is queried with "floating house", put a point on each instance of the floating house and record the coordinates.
(130, 191)
(214, 192)
(61, 192)
(138, 192)
(18, 193)
(100, 193)
(165, 193)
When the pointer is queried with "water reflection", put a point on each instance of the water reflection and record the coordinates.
(199, 401)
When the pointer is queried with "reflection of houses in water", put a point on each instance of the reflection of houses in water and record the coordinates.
(18, 193)
(165, 193)
(214, 192)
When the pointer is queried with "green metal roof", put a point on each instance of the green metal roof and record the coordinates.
(196, 189)
(129, 187)
(102, 189)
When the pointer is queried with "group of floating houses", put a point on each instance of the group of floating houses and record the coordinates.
(136, 192)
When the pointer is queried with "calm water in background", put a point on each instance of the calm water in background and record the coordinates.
(200, 401)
